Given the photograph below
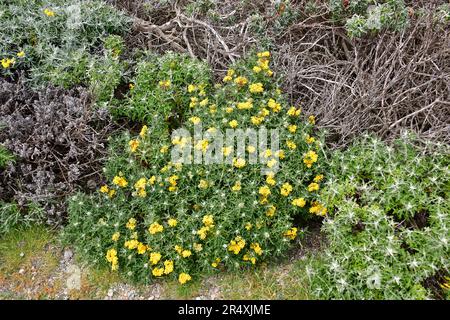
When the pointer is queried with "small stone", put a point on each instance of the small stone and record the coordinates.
(151, 298)
(110, 293)
(22, 254)
(68, 254)
(22, 271)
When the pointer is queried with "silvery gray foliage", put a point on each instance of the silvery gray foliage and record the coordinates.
(59, 141)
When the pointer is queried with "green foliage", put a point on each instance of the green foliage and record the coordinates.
(105, 73)
(388, 230)
(53, 38)
(369, 17)
(5, 157)
(160, 84)
(12, 216)
(200, 217)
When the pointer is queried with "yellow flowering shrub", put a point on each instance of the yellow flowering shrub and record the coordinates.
(170, 219)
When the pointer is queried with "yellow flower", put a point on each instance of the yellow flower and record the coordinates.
(186, 253)
(271, 211)
(236, 186)
(208, 220)
(131, 224)
(294, 112)
(143, 131)
(49, 13)
(172, 222)
(104, 189)
(111, 256)
(227, 151)
(6, 63)
(270, 179)
(152, 180)
(215, 263)
(195, 120)
(309, 158)
(313, 187)
(241, 81)
(155, 257)
(248, 226)
(178, 249)
(291, 233)
(202, 233)
(192, 88)
(286, 189)
(184, 277)
(236, 245)
(239, 163)
(142, 248)
(257, 69)
(231, 72)
(134, 144)
(111, 193)
(280, 154)
(204, 102)
(256, 87)
(245, 105)
(291, 144)
(292, 128)
(318, 178)
(168, 266)
(115, 236)
(256, 248)
(227, 78)
(256, 120)
(269, 73)
(140, 184)
(131, 86)
(21, 54)
(299, 202)
(312, 119)
(233, 123)
(164, 149)
(263, 54)
(131, 244)
(193, 103)
(165, 84)
(318, 209)
(155, 227)
(264, 191)
(246, 257)
(272, 104)
(251, 149)
(198, 247)
(309, 139)
(271, 163)
(229, 110)
(158, 272)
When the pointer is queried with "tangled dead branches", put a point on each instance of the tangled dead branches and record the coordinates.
(382, 84)
(59, 143)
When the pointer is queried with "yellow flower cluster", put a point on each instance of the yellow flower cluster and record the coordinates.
(236, 245)
(111, 257)
(291, 233)
(318, 209)
(49, 12)
(256, 87)
(155, 228)
(208, 224)
(120, 181)
(310, 158)
(165, 84)
(6, 62)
